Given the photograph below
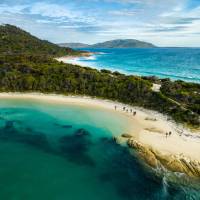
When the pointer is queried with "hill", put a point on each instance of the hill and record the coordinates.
(74, 45)
(14, 40)
(128, 43)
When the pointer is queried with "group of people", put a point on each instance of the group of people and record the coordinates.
(168, 134)
(127, 110)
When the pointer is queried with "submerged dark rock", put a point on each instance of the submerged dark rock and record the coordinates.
(81, 132)
(37, 140)
(64, 126)
(75, 148)
(27, 136)
(9, 125)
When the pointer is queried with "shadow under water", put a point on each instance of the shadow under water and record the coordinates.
(75, 147)
(34, 139)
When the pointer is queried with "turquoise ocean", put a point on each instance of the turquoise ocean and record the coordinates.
(174, 63)
(57, 152)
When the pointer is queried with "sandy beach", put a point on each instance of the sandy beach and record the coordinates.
(74, 60)
(147, 127)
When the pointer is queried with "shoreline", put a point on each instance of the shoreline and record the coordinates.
(74, 59)
(179, 152)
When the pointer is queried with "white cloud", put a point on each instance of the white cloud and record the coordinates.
(50, 10)
(18, 9)
(123, 13)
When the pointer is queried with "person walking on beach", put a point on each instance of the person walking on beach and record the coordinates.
(115, 107)
(168, 134)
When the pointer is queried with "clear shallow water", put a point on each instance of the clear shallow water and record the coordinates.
(174, 63)
(64, 152)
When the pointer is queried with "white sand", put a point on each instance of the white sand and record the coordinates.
(75, 60)
(156, 87)
(143, 127)
(71, 60)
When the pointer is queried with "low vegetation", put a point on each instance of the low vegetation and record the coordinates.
(187, 94)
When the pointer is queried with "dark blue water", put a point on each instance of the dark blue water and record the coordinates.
(174, 63)
(59, 152)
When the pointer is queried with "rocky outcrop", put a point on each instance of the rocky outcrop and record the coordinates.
(120, 140)
(126, 135)
(174, 163)
(145, 153)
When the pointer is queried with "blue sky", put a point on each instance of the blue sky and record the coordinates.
(162, 22)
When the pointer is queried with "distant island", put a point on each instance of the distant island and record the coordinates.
(121, 43)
